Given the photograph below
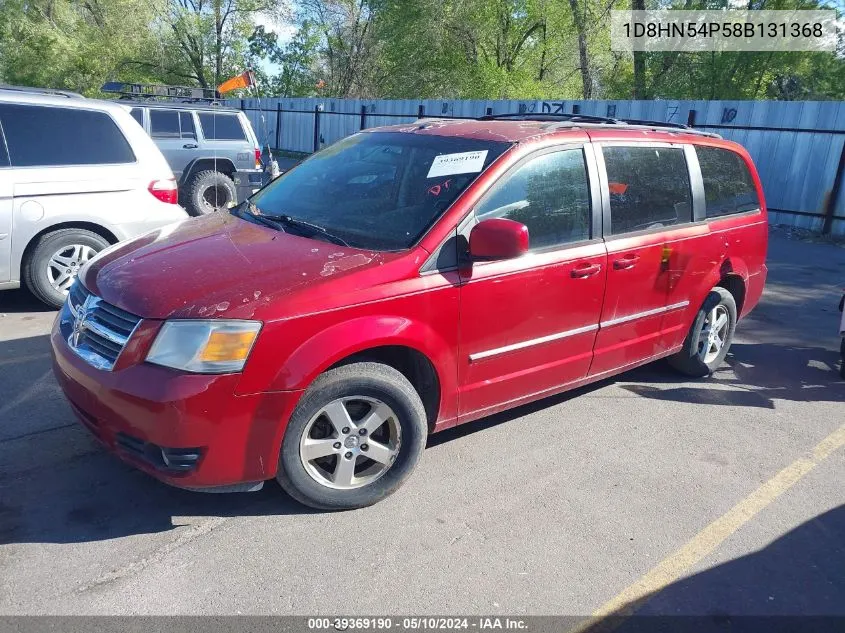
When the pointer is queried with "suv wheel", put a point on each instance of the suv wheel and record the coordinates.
(709, 337)
(53, 264)
(355, 437)
(210, 191)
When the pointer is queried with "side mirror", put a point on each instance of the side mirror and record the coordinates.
(498, 238)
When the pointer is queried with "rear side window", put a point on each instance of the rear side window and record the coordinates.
(548, 194)
(728, 187)
(164, 123)
(221, 127)
(46, 136)
(186, 124)
(649, 187)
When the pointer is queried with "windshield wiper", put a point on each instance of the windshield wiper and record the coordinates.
(316, 228)
(249, 209)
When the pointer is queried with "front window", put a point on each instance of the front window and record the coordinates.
(379, 190)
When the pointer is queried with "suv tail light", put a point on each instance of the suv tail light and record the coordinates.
(258, 158)
(165, 190)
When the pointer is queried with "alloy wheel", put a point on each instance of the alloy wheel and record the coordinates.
(713, 334)
(64, 264)
(350, 442)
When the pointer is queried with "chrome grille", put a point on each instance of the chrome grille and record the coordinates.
(97, 331)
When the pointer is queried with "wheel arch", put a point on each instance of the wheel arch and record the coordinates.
(411, 347)
(223, 165)
(411, 363)
(100, 230)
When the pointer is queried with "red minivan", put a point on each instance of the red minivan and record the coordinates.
(404, 280)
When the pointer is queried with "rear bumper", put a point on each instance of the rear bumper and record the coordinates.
(247, 182)
(187, 430)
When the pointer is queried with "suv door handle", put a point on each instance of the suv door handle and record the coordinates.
(629, 261)
(190, 146)
(587, 270)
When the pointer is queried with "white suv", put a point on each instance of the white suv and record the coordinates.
(76, 175)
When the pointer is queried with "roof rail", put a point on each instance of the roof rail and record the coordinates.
(540, 116)
(43, 91)
(559, 120)
(647, 122)
(154, 92)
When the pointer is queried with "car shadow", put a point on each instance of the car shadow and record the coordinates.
(21, 300)
(58, 486)
(754, 375)
(781, 587)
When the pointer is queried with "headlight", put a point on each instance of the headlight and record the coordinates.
(204, 347)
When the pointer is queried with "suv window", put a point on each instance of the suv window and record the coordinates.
(649, 187)
(728, 187)
(164, 123)
(549, 194)
(221, 127)
(138, 115)
(186, 124)
(49, 136)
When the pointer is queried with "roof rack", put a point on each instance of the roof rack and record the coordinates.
(587, 120)
(43, 91)
(160, 92)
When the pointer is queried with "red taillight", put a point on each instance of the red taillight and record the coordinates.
(257, 158)
(165, 190)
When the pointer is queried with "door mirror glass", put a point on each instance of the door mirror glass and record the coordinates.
(498, 238)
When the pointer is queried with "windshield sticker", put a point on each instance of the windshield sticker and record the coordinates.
(462, 163)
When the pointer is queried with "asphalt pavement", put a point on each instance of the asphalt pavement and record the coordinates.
(558, 507)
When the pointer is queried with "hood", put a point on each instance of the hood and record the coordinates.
(217, 265)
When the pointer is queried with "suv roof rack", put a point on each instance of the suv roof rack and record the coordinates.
(160, 92)
(588, 120)
(43, 91)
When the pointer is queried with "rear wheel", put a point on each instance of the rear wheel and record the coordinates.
(842, 356)
(709, 337)
(52, 266)
(209, 191)
(355, 437)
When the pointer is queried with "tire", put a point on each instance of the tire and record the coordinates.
(208, 192)
(842, 358)
(690, 360)
(42, 271)
(365, 388)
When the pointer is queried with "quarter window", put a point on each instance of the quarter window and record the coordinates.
(548, 194)
(51, 136)
(649, 187)
(221, 127)
(138, 115)
(728, 187)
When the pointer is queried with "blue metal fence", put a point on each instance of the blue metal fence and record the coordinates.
(797, 145)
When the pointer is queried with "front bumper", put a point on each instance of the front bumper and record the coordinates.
(188, 430)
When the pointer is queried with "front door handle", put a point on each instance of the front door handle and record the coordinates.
(587, 270)
(629, 261)
(190, 146)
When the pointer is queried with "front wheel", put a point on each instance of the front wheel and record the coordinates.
(709, 337)
(355, 437)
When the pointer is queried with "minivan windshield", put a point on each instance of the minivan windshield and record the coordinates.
(376, 190)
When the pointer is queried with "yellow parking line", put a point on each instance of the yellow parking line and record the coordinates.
(708, 539)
